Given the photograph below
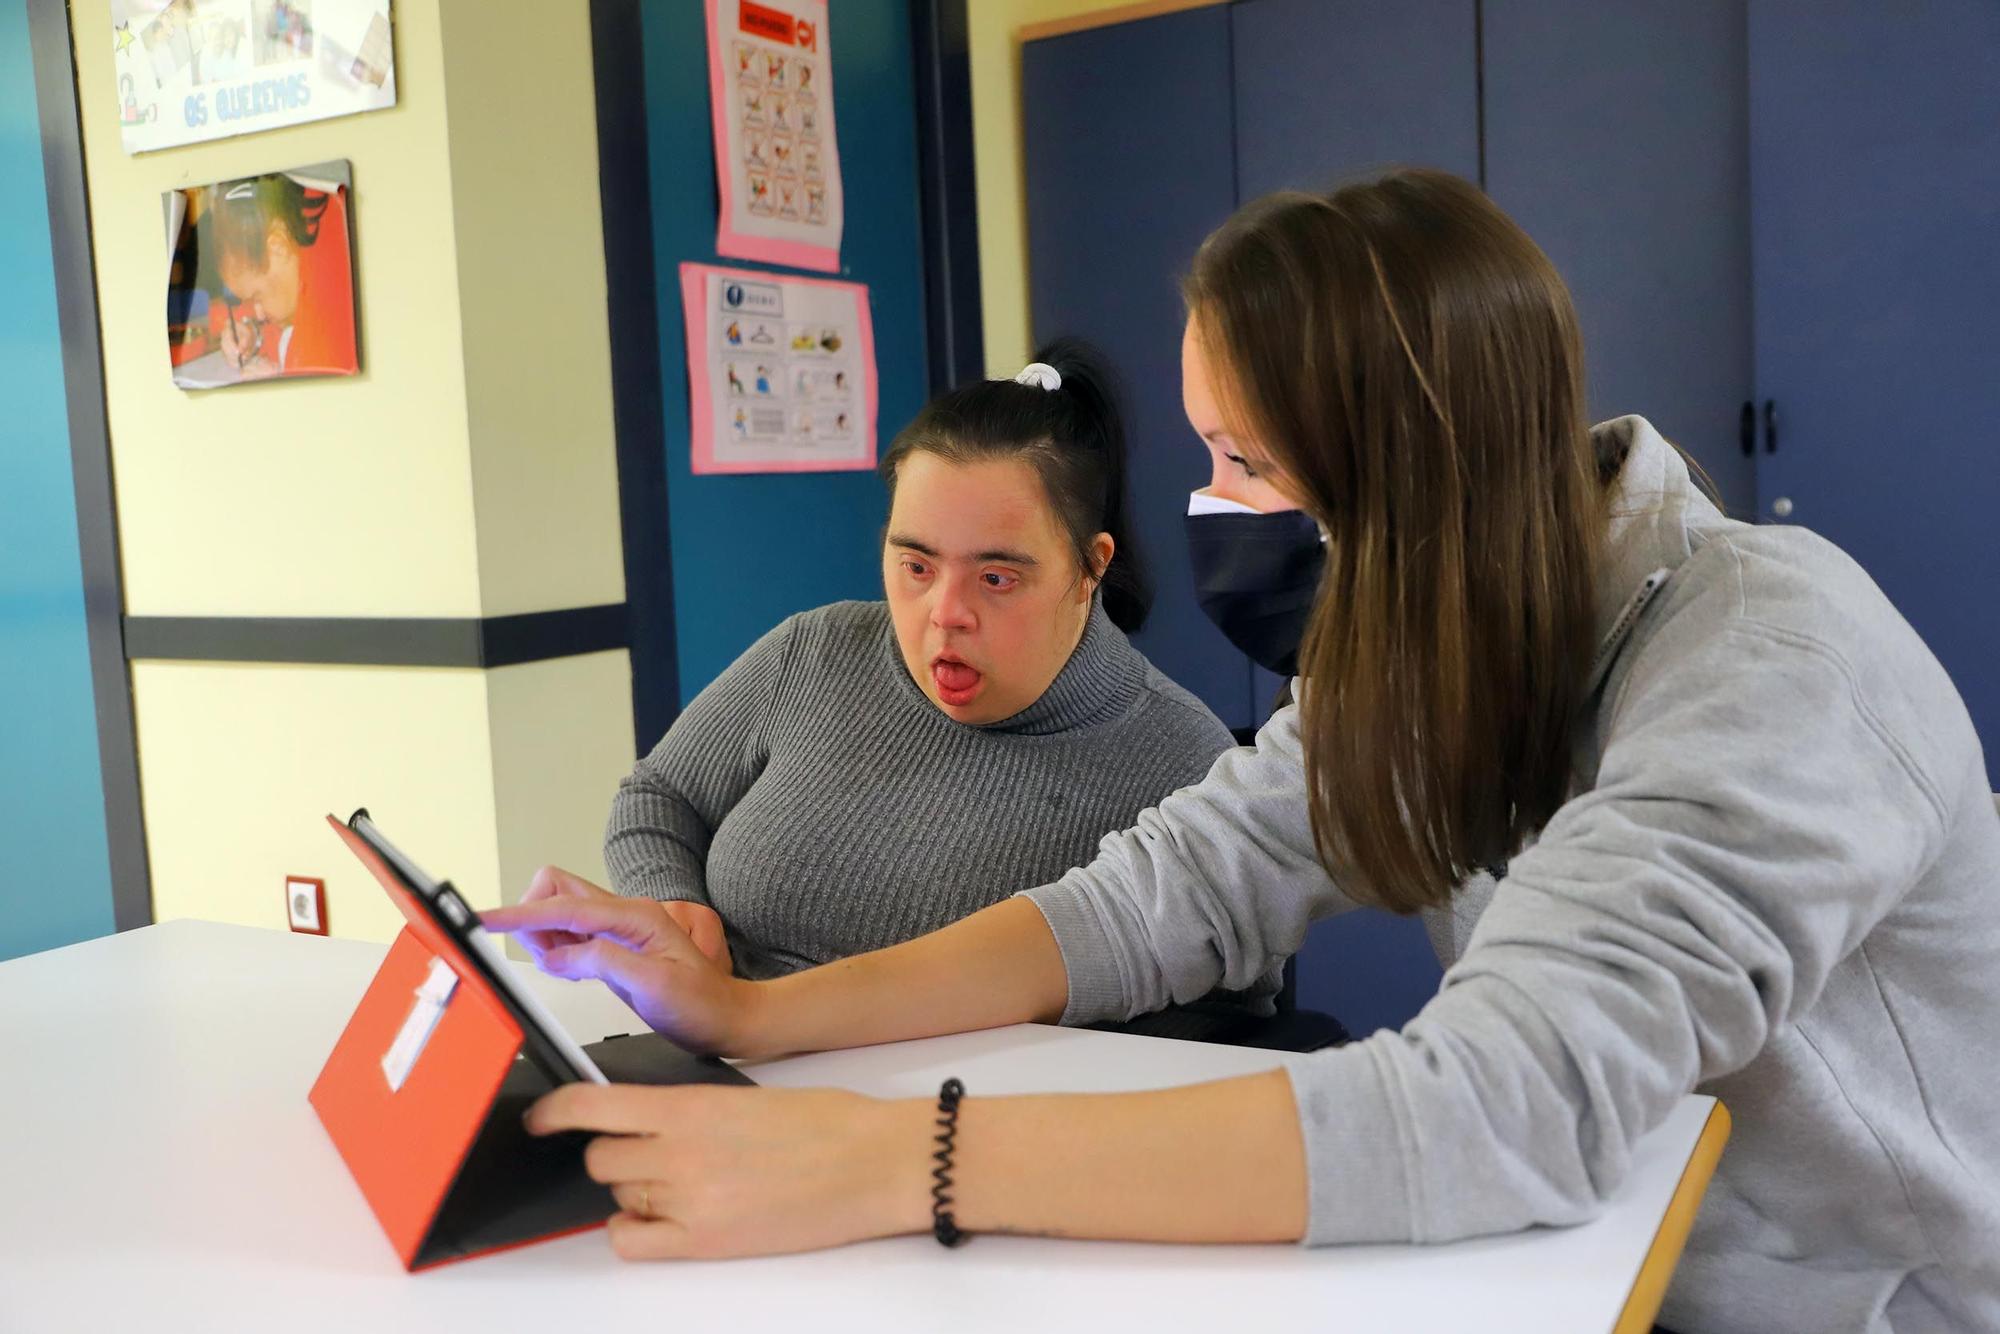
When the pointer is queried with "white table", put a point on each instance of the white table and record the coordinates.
(161, 1170)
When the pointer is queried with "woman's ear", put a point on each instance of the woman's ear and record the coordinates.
(1102, 549)
(278, 242)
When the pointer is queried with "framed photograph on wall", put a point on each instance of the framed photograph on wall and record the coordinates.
(260, 278)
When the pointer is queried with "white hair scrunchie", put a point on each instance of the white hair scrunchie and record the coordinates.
(1041, 375)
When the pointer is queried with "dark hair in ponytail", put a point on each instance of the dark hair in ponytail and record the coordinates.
(244, 212)
(1073, 437)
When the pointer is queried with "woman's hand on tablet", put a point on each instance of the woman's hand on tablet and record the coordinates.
(702, 1170)
(641, 950)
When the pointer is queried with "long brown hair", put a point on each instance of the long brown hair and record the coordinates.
(1407, 360)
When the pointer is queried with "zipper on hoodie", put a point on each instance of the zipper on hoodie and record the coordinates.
(1614, 639)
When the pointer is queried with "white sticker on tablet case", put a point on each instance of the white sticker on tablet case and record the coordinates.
(410, 1041)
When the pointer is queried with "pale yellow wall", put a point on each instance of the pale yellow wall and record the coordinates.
(338, 497)
(469, 470)
(522, 120)
(240, 762)
(995, 55)
(481, 776)
(561, 738)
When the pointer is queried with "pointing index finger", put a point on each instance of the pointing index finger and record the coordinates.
(625, 920)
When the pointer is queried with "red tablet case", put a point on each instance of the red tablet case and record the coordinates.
(410, 1149)
(444, 1160)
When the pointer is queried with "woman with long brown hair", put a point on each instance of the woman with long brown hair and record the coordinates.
(1686, 803)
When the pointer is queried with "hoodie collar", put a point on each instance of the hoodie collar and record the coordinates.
(1654, 505)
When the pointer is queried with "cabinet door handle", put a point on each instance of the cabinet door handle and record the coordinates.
(1770, 426)
(1746, 428)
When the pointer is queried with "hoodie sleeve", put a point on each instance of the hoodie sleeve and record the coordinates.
(1737, 843)
(1214, 886)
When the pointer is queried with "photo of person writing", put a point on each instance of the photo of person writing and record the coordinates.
(870, 771)
(268, 260)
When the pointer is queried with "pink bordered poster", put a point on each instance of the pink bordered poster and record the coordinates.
(777, 165)
(781, 372)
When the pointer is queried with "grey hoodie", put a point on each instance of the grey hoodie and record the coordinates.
(1777, 881)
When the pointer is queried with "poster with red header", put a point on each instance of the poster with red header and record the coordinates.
(777, 163)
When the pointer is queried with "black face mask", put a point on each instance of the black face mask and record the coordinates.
(1255, 576)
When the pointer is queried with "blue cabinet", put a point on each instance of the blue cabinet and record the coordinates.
(1330, 90)
(1875, 155)
(1616, 136)
(1131, 161)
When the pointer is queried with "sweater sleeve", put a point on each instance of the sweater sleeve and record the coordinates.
(1214, 886)
(667, 809)
(1736, 845)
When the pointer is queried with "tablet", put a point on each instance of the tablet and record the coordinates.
(435, 910)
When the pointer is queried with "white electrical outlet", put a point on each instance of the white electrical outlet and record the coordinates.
(305, 904)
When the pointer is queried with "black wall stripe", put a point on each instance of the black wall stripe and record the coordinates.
(390, 641)
(90, 457)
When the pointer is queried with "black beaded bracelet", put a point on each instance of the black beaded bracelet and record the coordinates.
(943, 1226)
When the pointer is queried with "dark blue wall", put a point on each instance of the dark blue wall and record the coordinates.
(749, 551)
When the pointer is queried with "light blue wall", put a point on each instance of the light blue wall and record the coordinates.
(56, 887)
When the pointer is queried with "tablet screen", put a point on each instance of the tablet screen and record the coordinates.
(544, 1038)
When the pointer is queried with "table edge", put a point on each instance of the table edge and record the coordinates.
(1649, 1288)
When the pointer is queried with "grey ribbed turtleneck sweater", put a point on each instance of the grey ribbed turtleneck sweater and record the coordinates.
(824, 807)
